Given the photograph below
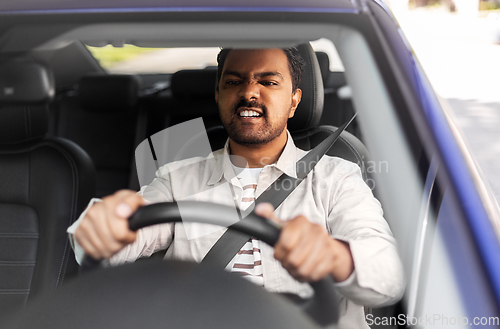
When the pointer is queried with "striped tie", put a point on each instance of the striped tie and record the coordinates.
(248, 262)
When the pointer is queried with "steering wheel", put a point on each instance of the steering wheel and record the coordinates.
(322, 307)
(103, 292)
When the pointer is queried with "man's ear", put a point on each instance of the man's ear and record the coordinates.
(296, 97)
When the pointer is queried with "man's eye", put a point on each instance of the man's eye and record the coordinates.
(269, 83)
(232, 82)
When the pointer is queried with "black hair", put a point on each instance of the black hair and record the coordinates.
(295, 63)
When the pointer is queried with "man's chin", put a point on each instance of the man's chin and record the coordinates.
(250, 140)
(253, 136)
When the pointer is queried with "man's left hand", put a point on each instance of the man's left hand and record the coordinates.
(307, 251)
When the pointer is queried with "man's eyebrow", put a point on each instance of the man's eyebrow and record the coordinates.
(267, 74)
(256, 75)
(235, 73)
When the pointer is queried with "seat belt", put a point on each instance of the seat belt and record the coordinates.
(223, 251)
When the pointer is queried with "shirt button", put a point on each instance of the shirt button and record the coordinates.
(235, 198)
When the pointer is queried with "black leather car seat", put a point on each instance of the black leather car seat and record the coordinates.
(102, 118)
(337, 109)
(191, 95)
(45, 183)
(304, 126)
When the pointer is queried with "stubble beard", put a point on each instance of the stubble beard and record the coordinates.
(263, 136)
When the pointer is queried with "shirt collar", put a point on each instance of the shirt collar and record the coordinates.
(286, 162)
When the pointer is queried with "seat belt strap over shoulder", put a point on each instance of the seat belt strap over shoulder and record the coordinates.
(223, 251)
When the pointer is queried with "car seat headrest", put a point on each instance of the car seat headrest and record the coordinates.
(23, 82)
(25, 89)
(109, 93)
(324, 66)
(310, 108)
(194, 84)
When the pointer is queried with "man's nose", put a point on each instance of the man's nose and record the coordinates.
(249, 90)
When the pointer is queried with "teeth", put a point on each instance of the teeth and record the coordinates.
(249, 114)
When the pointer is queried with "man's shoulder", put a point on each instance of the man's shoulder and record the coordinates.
(339, 161)
(338, 167)
(331, 164)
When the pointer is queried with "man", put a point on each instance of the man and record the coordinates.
(332, 223)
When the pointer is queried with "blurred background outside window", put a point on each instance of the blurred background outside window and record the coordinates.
(458, 45)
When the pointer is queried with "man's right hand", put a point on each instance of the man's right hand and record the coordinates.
(104, 230)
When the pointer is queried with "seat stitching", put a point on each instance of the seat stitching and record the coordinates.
(73, 210)
(73, 166)
(73, 206)
(17, 263)
(14, 291)
(19, 235)
(59, 276)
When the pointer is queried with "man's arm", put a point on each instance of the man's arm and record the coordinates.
(356, 217)
(359, 252)
(102, 231)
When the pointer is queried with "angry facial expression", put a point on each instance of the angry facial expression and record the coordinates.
(255, 95)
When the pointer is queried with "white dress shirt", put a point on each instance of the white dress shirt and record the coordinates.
(333, 195)
(248, 261)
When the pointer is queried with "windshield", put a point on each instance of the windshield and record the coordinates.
(148, 117)
(130, 59)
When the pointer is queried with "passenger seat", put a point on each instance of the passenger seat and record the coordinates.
(45, 183)
(191, 95)
(102, 117)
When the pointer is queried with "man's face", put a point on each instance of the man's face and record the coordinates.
(255, 95)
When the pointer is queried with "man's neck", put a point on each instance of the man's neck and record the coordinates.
(258, 156)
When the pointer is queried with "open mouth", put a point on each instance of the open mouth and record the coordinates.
(245, 113)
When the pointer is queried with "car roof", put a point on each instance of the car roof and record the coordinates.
(51, 6)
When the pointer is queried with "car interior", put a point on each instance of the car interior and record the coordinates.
(45, 181)
(77, 140)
